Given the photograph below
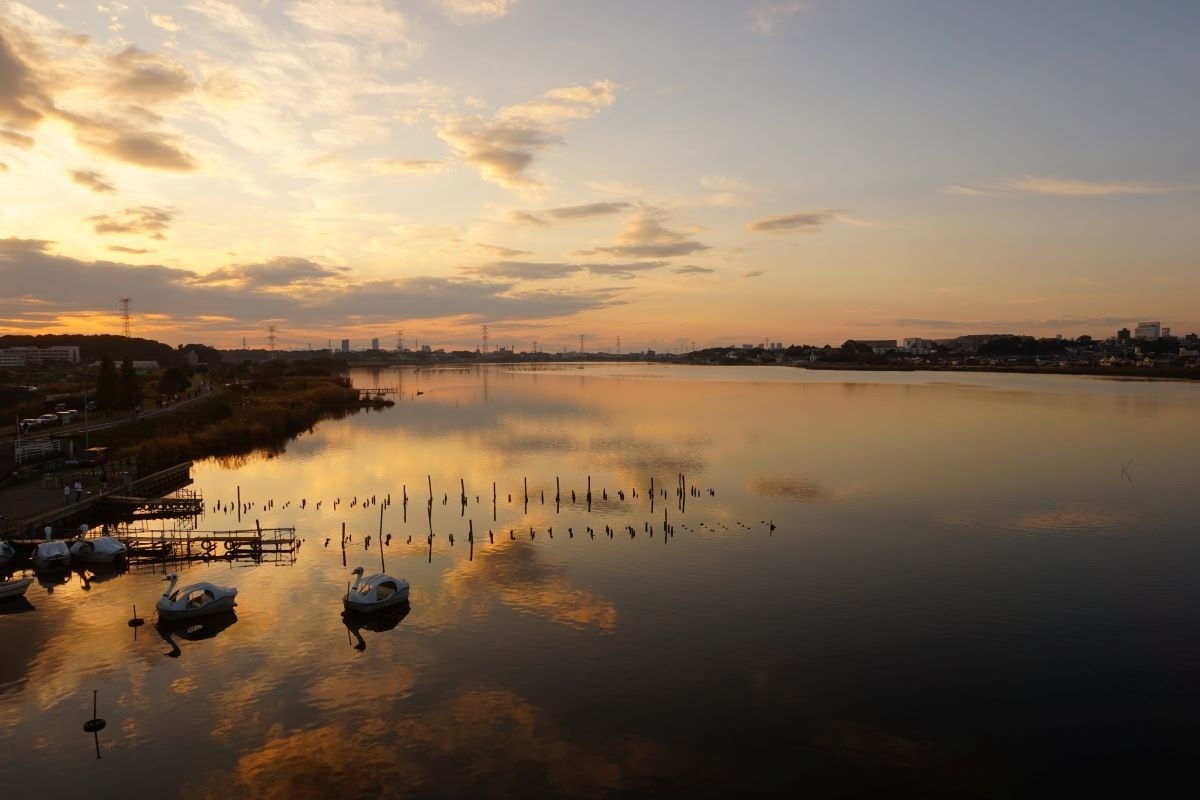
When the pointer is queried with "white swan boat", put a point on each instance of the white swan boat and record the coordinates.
(14, 588)
(98, 550)
(194, 600)
(51, 555)
(374, 592)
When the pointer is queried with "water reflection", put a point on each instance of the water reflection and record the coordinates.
(385, 619)
(563, 650)
(195, 630)
(15, 605)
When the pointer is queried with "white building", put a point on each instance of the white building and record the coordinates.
(35, 356)
(1147, 330)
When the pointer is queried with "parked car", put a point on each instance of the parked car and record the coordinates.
(49, 419)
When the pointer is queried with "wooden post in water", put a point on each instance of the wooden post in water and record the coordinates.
(493, 501)
(430, 479)
(589, 494)
(382, 568)
(239, 488)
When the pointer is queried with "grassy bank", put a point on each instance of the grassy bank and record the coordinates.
(233, 421)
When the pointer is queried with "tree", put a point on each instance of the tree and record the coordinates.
(108, 389)
(130, 386)
(173, 381)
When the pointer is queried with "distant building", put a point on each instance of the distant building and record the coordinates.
(37, 356)
(1147, 330)
(878, 345)
(918, 346)
(1123, 335)
(345, 345)
(375, 343)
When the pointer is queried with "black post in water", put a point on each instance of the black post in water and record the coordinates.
(382, 568)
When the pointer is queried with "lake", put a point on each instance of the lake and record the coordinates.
(842, 584)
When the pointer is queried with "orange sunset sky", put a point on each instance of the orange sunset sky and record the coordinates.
(671, 172)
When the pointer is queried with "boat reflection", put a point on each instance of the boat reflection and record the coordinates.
(379, 621)
(98, 573)
(15, 605)
(49, 578)
(193, 630)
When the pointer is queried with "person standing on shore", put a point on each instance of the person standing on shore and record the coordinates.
(78, 491)
(66, 494)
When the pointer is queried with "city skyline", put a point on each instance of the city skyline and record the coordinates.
(666, 173)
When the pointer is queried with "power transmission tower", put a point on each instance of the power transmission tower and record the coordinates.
(399, 340)
(485, 333)
(618, 345)
(125, 301)
(581, 343)
(271, 338)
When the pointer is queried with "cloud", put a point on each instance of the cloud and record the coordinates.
(129, 76)
(140, 77)
(1054, 186)
(646, 236)
(116, 248)
(968, 191)
(476, 10)
(16, 139)
(377, 31)
(754, 273)
(92, 180)
(165, 22)
(797, 222)
(1071, 187)
(528, 270)
(143, 220)
(22, 100)
(129, 143)
(3, 167)
(629, 270)
(502, 252)
(692, 269)
(765, 17)
(588, 210)
(503, 147)
(39, 279)
(535, 270)
(405, 166)
(277, 273)
(527, 218)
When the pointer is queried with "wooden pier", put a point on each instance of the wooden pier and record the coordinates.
(183, 503)
(275, 545)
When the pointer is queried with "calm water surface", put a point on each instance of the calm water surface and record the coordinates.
(979, 585)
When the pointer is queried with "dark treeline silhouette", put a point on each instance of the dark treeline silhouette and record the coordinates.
(94, 347)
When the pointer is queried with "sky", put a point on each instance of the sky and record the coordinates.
(663, 174)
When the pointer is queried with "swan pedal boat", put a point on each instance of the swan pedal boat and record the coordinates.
(14, 588)
(194, 600)
(98, 550)
(374, 592)
(7, 554)
(51, 555)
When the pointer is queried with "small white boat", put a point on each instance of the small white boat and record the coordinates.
(98, 550)
(51, 555)
(194, 600)
(374, 592)
(7, 554)
(14, 588)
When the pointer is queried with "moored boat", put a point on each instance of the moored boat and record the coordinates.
(14, 588)
(194, 600)
(374, 592)
(98, 550)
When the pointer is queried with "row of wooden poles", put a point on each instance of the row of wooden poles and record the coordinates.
(682, 492)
